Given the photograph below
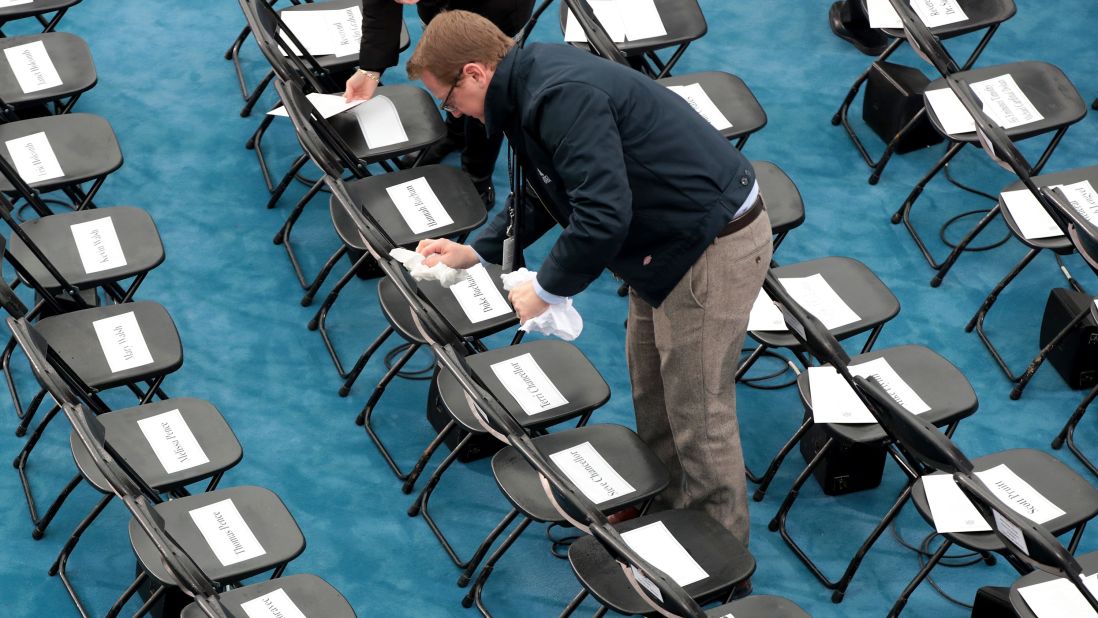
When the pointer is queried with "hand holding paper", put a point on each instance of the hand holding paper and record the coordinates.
(560, 320)
(440, 272)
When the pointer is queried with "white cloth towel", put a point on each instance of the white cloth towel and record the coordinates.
(560, 320)
(439, 272)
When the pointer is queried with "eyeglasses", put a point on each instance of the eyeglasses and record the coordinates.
(445, 105)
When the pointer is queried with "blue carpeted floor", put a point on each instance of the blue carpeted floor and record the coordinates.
(173, 101)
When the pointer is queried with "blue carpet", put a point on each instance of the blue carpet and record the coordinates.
(173, 101)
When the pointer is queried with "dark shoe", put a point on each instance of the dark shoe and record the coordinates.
(740, 590)
(869, 41)
(433, 153)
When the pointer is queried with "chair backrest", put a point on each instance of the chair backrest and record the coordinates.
(8, 300)
(920, 439)
(266, 24)
(324, 145)
(923, 41)
(1082, 233)
(805, 327)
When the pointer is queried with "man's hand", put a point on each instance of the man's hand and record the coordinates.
(361, 86)
(448, 252)
(526, 302)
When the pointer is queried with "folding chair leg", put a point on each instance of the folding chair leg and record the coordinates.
(368, 411)
(20, 464)
(322, 276)
(286, 180)
(425, 457)
(574, 603)
(904, 213)
(282, 237)
(1067, 434)
(5, 365)
(153, 599)
(919, 577)
(233, 54)
(746, 365)
(772, 470)
(257, 92)
(255, 143)
(43, 522)
(1038, 360)
(947, 264)
(977, 321)
(319, 321)
(364, 358)
(476, 593)
(58, 566)
(126, 594)
(28, 414)
(482, 550)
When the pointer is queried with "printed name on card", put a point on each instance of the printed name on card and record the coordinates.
(419, 206)
(32, 67)
(172, 441)
(1083, 199)
(380, 123)
(275, 604)
(1004, 102)
(588, 471)
(696, 96)
(1032, 219)
(834, 401)
(661, 549)
(7, 3)
(817, 297)
(1019, 495)
(932, 13)
(1059, 598)
(527, 383)
(478, 296)
(34, 158)
(122, 343)
(226, 532)
(98, 246)
(348, 31)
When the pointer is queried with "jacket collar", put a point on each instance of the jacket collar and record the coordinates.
(497, 106)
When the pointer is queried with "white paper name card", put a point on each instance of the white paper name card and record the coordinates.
(380, 122)
(1033, 222)
(172, 441)
(588, 471)
(1000, 99)
(6, 3)
(1083, 198)
(623, 20)
(1019, 495)
(226, 532)
(327, 105)
(32, 67)
(478, 296)
(765, 315)
(658, 547)
(275, 604)
(527, 383)
(608, 14)
(122, 343)
(933, 13)
(98, 246)
(950, 509)
(34, 158)
(419, 206)
(1059, 598)
(700, 101)
(834, 401)
(816, 296)
(1013, 533)
(337, 32)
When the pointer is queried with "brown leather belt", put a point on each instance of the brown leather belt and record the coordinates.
(743, 220)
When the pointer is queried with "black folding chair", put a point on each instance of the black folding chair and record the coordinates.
(39, 10)
(72, 60)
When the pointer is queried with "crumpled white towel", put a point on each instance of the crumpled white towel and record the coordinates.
(560, 320)
(439, 272)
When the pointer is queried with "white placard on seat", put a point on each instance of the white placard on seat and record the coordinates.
(527, 383)
(324, 32)
(173, 441)
(419, 206)
(1000, 99)
(623, 20)
(380, 122)
(834, 401)
(1059, 598)
(7, 3)
(950, 508)
(34, 158)
(478, 296)
(817, 297)
(661, 549)
(588, 471)
(327, 105)
(98, 246)
(696, 96)
(1083, 198)
(1019, 495)
(1032, 219)
(607, 12)
(765, 315)
(226, 532)
(122, 343)
(32, 67)
(274, 604)
(933, 13)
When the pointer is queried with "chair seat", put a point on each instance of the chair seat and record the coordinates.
(731, 96)
(682, 19)
(619, 446)
(936, 380)
(859, 288)
(1060, 244)
(720, 554)
(311, 594)
(212, 433)
(563, 364)
(85, 146)
(759, 606)
(137, 236)
(399, 315)
(72, 337)
(450, 185)
(70, 56)
(1048, 475)
(981, 14)
(263, 512)
(780, 196)
(1046, 87)
(418, 113)
(1089, 562)
(34, 8)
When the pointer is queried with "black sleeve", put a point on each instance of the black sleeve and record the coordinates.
(381, 24)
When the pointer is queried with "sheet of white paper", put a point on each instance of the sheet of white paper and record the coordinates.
(933, 13)
(380, 122)
(98, 246)
(1083, 198)
(765, 315)
(172, 441)
(275, 604)
(661, 549)
(122, 343)
(609, 15)
(882, 15)
(589, 472)
(327, 105)
(226, 532)
(1030, 216)
(527, 383)
(820, 299)
(1000, 98)
(641, 18)
(700, 101)
(1019, 495)
(1013, 533)
(950, 111)
(1059, 598)
(7, 3)
(419, 206)
(32, 67)
(834, 401)
(34, 158)
(950, 508)
(478, 296)
(646, 583)
(325, 32)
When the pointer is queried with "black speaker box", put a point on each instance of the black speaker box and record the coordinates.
(479, 447)
(1076, 357)
(893, 95)
(992, 602)
(846, 468)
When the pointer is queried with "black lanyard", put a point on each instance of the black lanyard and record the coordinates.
(516, 205)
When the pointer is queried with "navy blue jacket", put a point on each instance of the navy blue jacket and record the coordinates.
(640, 182)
